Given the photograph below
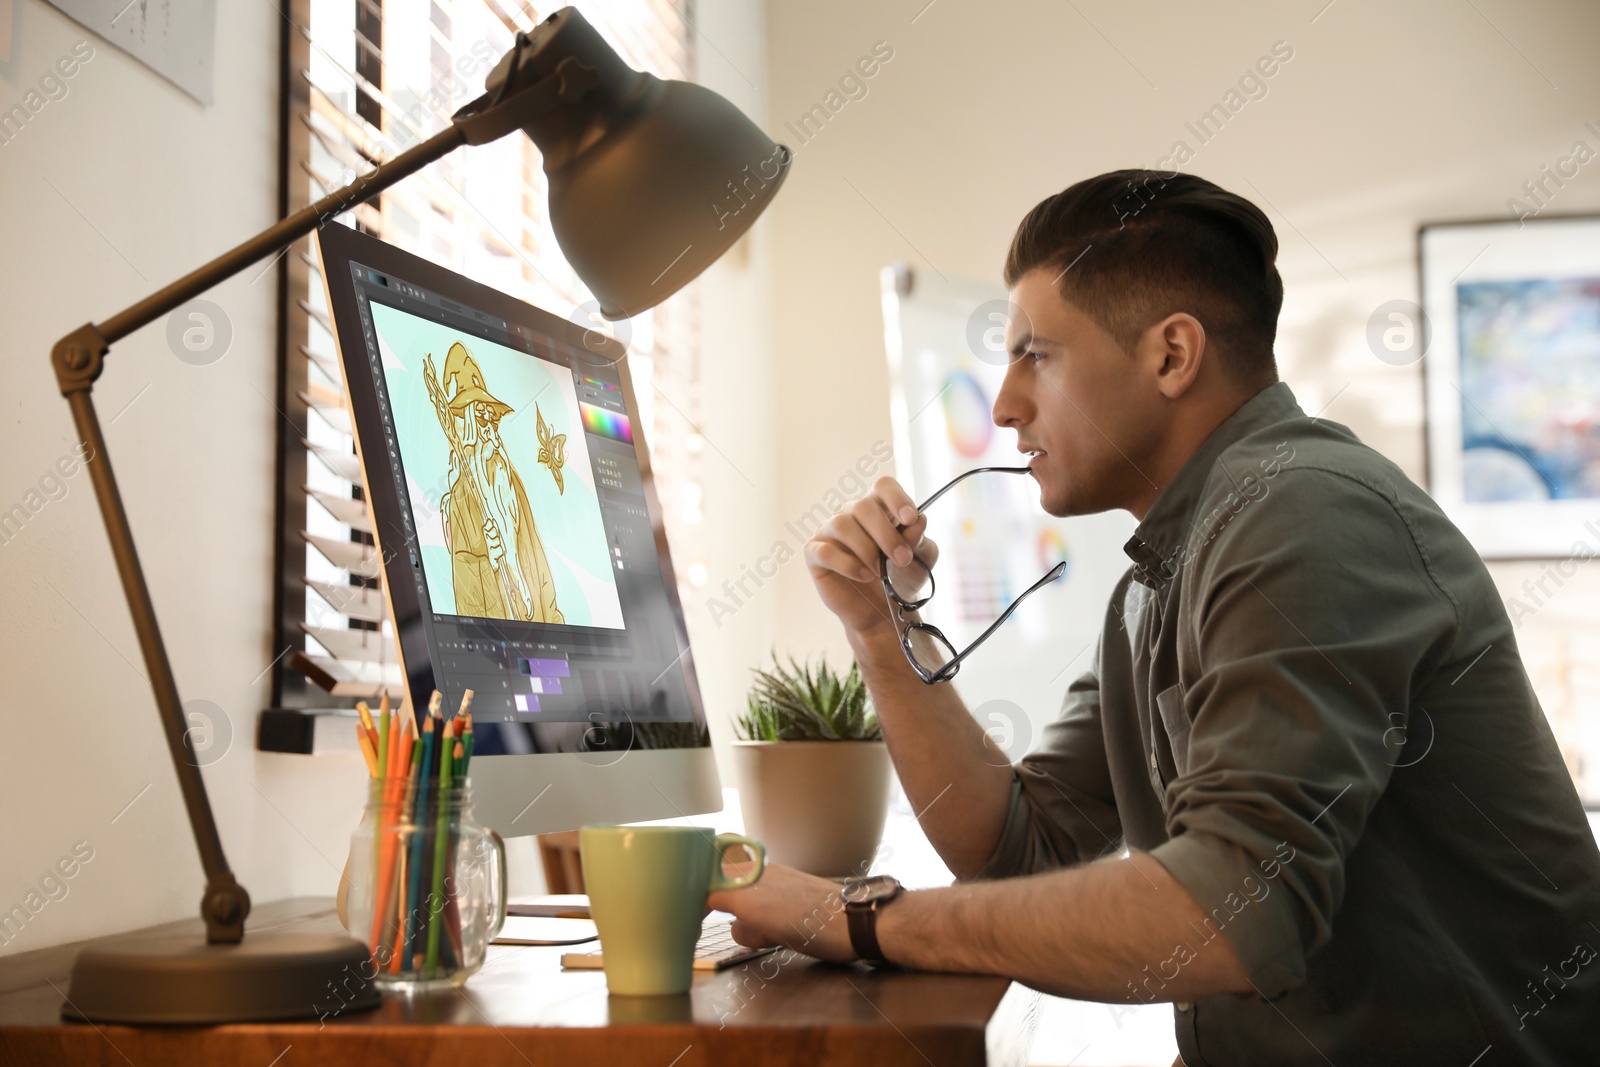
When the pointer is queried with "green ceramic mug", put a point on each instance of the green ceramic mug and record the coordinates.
(647, 889)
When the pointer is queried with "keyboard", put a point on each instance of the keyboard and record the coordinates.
(715, 951)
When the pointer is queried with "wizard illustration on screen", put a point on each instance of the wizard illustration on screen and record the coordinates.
(498, 561)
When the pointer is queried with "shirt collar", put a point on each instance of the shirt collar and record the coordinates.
(1158, 540)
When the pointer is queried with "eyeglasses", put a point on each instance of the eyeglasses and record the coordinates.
(927, 649)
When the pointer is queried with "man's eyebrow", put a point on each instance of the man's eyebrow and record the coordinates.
(1030, 340)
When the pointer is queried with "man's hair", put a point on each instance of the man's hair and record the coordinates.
(1131, 247)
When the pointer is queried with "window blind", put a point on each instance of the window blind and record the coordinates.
(363, 81)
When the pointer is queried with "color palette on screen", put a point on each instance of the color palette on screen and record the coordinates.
(598, 384)
(612, 424)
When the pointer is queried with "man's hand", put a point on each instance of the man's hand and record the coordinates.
(791, 908)
(1107, 930)
(844, 555)
(933, 740)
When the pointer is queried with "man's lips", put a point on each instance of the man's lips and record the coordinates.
(1035, 455)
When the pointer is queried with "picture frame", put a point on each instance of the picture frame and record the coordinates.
(1511, 364)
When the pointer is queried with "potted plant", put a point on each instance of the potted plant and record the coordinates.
(812, 769)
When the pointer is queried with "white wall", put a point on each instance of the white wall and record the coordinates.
(1386, 116)
(736, 400)
(106, 195)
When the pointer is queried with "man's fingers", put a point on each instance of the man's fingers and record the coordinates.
(747, 935)
(831, 556)
(870, 511)
(896, 501)
(913, 533)
(844, 529)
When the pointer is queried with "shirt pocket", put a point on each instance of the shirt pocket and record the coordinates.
(1175, 721)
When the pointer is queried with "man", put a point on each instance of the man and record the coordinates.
(498, 565)
(1225, 815)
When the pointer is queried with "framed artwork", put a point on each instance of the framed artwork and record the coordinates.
(174, 38)
(1512, 382)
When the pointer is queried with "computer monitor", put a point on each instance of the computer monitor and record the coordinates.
(521, 542)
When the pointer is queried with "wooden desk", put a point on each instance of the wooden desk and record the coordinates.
(522, 1009)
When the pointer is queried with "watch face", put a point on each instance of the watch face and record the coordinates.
(870, 890)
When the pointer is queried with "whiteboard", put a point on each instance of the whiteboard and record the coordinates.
(994, 539)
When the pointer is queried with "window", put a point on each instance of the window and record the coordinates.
(364, 80)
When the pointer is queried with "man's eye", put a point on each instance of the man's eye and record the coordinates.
(1034, 356)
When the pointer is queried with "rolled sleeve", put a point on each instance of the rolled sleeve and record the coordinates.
(1303, 655)
(1062, 810)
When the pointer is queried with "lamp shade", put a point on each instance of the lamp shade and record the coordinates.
(650, 180)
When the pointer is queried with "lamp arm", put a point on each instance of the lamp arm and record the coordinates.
(78, 359)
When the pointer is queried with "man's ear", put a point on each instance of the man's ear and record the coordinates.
(1174, 349)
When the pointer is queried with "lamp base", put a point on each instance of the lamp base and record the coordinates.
(180, 979)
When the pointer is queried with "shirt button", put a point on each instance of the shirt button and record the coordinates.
(1183, 1005)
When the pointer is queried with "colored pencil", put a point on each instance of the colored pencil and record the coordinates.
(402, 880)
(400, 743)
(367, 752)
(410, 922)
(466, 732)
(400, 747)
(452, 925)
(452, 930)
(386, 849)
(385, 879)
(367, 723)
(436, 901)
(462, 732)
(408, 798)
(383, 738)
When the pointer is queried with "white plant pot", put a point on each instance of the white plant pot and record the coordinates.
(818, 806)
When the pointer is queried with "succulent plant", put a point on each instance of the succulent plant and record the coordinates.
(799, 704)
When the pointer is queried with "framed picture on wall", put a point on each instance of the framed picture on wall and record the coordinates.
(1512, 381)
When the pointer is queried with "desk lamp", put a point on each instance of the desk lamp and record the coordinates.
(650, 182)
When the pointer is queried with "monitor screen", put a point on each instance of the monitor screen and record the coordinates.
(517, 525)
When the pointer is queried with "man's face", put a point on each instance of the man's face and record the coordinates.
(1087, 407)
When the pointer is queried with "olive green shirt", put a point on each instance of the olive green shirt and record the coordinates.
(1308, 705)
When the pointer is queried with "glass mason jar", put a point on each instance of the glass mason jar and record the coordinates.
(426, 885)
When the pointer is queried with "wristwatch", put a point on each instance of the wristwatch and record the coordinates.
(863, 897)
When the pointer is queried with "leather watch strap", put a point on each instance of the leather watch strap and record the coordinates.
(863, 923)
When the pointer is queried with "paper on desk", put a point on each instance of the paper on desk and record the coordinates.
(552, 906)
(5, 31)
(523, 930)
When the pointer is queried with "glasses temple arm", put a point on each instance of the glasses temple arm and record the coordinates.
(961, 477)
(1055, 572)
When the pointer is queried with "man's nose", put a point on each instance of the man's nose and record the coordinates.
(1011, 405)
